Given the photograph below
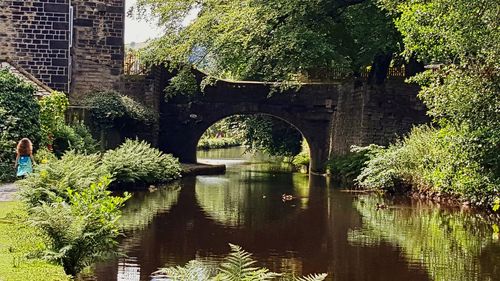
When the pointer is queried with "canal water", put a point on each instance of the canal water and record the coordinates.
(324, 228)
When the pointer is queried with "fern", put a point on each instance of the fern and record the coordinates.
(237, 266)
(312, 277)
(193, 271)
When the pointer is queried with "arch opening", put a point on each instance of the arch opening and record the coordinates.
(263, 133)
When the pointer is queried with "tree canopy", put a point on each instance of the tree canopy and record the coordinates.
(272, 39)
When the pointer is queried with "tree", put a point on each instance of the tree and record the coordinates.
(270, 40)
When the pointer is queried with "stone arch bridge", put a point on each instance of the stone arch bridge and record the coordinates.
(331, 116)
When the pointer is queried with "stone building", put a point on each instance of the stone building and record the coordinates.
(74, 46)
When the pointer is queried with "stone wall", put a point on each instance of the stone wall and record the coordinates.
(34, 34)
(98, 45)
(379, 114)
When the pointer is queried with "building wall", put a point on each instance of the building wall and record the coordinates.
(34, 34)
(98, 46)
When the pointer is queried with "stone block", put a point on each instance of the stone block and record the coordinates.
(59, 44)
(56, 8)
(114, 41)
(83, 22)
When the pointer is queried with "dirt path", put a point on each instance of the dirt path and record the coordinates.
(7, 192)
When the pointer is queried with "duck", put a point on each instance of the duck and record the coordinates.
(287, 197)
(152, 188)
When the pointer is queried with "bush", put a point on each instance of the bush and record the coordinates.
(136, 161)
(347, 167)
(20, 111)
(44, 156)
(83, 228)
(52, 110)
(212, 143)
(19, 118)
(432, 160)
(50, 181)
(111, 109)
(76, 137)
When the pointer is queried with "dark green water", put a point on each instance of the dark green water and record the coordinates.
(324, 229)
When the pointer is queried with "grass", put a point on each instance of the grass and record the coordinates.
(18, 243)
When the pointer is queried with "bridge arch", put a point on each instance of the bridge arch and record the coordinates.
(184, 144)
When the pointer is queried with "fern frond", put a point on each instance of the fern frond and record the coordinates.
(238, 266)
(312, 277)
(193, 271)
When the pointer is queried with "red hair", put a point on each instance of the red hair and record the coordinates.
(24, 147)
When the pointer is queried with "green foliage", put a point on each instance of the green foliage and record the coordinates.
(7, 158)
(460, 30)
(347, 167)
(302, 159)
(137, 161)
(184, 83)
(272, 136)
(76, 137)
(463, 157)
(44, 156)
(50, 180)
(237, 266)
(82, 228)
(52, 110)
(271, 40)
(20, 109)
(19, 118)
(111, 109)
(435, 160)
(211, 143)
(496, 205)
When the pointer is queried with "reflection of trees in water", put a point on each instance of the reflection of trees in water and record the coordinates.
(451, 245)
(140, 210)
(248, 200)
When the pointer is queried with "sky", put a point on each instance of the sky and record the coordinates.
(139, 31)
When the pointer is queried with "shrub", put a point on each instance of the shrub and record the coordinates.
(83, 228)
(136, 161)
(76, 137)
(347, 167)
(111, 109)
(20, 111)
(19, 118)
(212, 143)
(238, 265)
(44, 156)
(7, 158)
(50, 181)
(52, 110)
(435, 160)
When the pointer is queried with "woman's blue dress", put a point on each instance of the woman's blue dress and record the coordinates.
(24, 166)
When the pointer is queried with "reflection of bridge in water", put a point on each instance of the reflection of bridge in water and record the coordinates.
(315, 236)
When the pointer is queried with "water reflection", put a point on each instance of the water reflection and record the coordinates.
(450, 245)
(321, 230)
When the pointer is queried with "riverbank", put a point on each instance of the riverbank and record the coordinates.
(214, 143)
(199, 169)
(18, 243)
